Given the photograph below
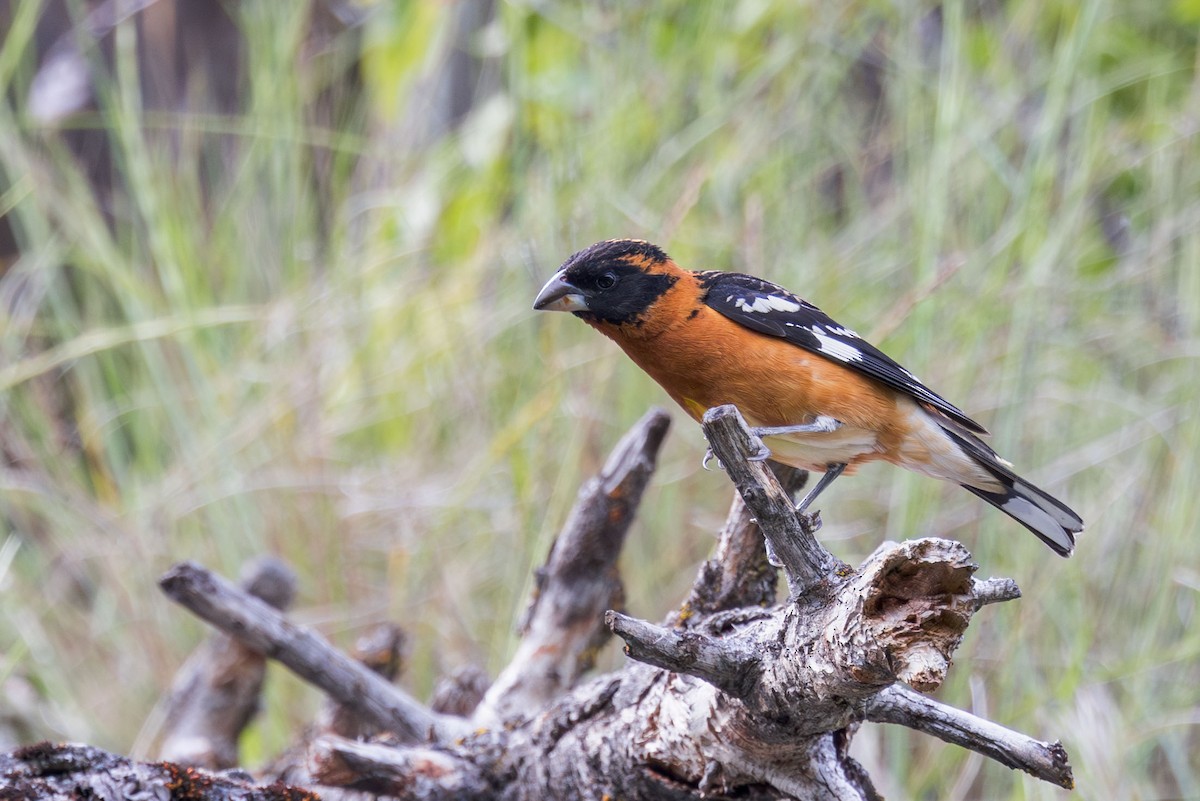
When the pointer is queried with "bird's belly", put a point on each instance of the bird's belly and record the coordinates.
(847, 445)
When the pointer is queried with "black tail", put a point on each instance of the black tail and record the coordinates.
(1050, 519)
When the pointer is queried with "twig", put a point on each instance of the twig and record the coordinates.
(805, 561)
(716, 661)
(564, 626)
(906, 707)
(216, 693)
(305, 653)
(995, 590)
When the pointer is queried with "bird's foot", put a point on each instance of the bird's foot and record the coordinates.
(832, 471)
(772, 559)
(810, 521)
(761, 454)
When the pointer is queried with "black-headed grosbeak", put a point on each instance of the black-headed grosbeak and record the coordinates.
(821, 397)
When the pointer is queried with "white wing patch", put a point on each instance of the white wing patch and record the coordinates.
(766, 303)
(770, 309)
(839, 350)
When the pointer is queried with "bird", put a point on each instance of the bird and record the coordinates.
(821, 397)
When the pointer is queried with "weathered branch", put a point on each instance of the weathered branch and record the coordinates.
(381, 649)
(216, 693)
(898, 618)
(416, 773)
(789, 536)
(829, 654)
(67, 772)
(564, 625)
(732, 669)
(905, 707)
(646, 733)
(995, 590)
(306, 653)
(917, 599)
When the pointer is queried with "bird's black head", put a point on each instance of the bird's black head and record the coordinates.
(612, 282)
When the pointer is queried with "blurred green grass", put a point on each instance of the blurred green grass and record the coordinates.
(225, 360)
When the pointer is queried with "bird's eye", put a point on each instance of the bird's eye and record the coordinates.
(606, 281)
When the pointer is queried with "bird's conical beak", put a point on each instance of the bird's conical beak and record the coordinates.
(559, 295)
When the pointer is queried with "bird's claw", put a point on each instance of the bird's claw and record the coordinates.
(761, 455)
(772, 559)
(810, 521)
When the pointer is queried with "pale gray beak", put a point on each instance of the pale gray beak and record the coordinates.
(558, 295)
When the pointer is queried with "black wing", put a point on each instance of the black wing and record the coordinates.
(771, 309)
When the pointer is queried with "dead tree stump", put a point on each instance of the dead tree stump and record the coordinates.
(734, 695)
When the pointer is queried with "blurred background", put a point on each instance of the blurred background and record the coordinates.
(265, 282)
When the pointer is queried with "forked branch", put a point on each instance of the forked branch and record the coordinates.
(734, 696)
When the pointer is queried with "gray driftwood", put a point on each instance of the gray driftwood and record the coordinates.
(734, 695)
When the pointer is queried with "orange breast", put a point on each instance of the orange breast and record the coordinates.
(709, 360)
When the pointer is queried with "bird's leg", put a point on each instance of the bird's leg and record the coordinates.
(832, 471)
(823, 424)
